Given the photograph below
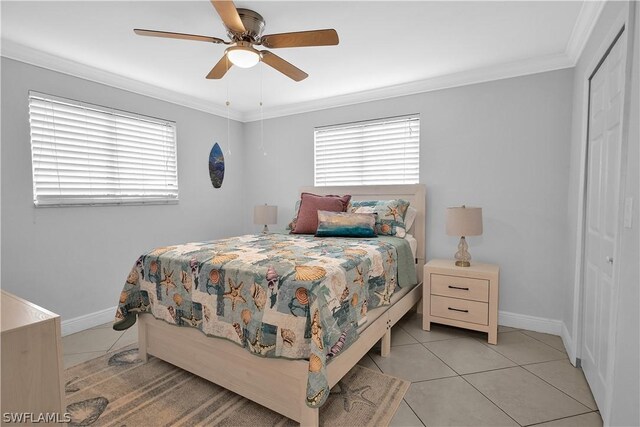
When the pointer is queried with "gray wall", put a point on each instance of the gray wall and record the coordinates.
(502, 145)
(74, 260)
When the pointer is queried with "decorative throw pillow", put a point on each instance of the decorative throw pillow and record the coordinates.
(346, 224)
(292, 224)
(410, 217)
(310, 204)
(391, 215)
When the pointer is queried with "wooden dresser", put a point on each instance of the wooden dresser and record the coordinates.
(466, 297)
(32, 365)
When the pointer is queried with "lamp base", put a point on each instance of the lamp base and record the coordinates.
(463, 257)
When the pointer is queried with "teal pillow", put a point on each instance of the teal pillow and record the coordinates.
(391, 213)
(345, 224)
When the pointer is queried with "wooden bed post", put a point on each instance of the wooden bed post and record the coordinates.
(142, 339)
(309, 417)
(385, 347)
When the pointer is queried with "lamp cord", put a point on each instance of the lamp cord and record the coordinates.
(264, 152)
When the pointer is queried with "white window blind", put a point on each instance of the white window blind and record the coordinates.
(384, 151)
(84, 154)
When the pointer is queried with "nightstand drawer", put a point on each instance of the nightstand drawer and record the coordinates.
(460, 309)
(460, 287)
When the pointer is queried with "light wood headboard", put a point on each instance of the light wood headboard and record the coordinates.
(413, 193)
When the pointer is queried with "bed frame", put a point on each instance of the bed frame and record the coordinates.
(280, 384)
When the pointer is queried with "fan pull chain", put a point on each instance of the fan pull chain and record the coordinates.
(264, 152)
(228, 104)
(228, 130)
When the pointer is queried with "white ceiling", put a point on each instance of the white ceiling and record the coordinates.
(382, 44)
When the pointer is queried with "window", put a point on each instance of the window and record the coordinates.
(384, 151)
(84, 154)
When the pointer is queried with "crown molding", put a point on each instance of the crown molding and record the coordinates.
(464, 78)
(19, 52)
(585, 23)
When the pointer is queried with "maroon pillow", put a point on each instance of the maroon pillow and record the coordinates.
(307, 220)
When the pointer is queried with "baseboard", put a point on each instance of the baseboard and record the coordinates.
(540, 324)
(569, 343)
(87, 321)
(532, 323)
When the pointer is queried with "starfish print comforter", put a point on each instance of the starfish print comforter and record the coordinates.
(276, 295)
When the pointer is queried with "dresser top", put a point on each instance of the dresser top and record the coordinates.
(17, 312)
(476, 267)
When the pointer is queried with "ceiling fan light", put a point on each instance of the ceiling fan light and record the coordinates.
(243, 56)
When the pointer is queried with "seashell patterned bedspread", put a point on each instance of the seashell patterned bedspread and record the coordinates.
(277, 295)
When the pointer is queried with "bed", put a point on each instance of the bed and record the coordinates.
(338, 329)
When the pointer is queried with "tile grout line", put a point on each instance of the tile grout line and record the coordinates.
(464, 379)
(558, 419)
(492, 402)
(564, 350)
(548, 361)
(519, 366)
(414, 412)
(537, 340)
(492, 347)
(443, 339)
(516, 364)
(116, 341)
(561, 391)
(374, 362)
(477, 372)
(436, 356)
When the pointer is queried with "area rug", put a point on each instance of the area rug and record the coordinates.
(119, 390)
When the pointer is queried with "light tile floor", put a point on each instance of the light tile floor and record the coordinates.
(457, 379)
(95, 342)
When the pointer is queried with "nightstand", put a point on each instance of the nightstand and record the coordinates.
(465, 297)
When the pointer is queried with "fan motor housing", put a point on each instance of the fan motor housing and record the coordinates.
(254, 24)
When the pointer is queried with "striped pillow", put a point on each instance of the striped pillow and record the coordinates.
(346, 224)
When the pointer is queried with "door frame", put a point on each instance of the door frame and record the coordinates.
(621, 23)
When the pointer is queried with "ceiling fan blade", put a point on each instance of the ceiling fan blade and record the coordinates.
(165, 34)
(301, 39)
(229, 14)
(283, 66)
(220, 69)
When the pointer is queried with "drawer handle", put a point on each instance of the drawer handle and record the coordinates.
(457, 309)
(458, 287)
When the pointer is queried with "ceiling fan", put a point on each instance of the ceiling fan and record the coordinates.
(244, 28)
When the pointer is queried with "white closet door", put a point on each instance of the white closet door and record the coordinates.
(603, 169)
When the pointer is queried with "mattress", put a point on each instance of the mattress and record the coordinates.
(413, 243)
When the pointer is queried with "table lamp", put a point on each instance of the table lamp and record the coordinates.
(463, 221)
(266, 215)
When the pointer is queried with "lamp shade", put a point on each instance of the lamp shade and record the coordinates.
(265, 214)
(464, 221)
